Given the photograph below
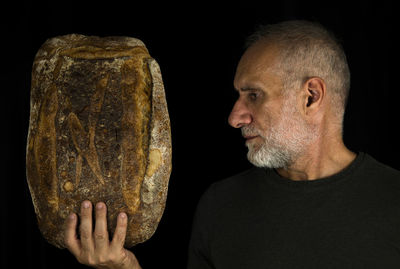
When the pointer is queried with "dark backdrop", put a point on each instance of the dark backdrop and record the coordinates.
(197, 46)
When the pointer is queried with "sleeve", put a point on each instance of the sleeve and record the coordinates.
(199, 254)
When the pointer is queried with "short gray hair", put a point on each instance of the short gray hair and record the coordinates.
(308, 49)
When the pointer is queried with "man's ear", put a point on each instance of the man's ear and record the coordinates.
(315, 90)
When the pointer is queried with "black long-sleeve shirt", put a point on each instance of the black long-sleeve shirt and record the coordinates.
(258, 219)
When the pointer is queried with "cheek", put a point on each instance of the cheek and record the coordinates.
(262, 120)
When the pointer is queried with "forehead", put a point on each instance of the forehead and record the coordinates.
(256, 65)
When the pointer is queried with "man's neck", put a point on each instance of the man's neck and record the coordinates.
(327, 161)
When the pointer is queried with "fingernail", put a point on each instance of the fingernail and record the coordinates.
(99, 205)
(72, 216)
(122, 215)
(86, 204)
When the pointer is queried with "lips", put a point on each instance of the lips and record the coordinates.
(248, 138)
(249, 133)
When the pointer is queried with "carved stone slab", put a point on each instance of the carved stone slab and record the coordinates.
(99, 130)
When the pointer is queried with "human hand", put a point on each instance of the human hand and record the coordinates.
(94, 248)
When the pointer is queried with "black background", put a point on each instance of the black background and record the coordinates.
(197, 45)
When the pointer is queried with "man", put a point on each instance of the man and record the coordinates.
(309, 202)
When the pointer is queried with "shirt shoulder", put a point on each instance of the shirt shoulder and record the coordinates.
(239, 183)
(233, 191)
(381, 179)
(380, 172)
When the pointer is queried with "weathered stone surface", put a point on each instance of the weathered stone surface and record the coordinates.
(99, 130)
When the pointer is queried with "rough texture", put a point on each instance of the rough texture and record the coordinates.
(99, 130)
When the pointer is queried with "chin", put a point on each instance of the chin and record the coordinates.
(270, 157)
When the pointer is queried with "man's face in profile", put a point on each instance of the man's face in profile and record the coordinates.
(275, 131)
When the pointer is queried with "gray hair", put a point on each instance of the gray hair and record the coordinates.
(306, 50)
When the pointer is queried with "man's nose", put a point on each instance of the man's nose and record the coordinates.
(240, 116)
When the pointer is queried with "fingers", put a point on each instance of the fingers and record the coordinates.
(86, 228)
(94, 248)
(70, 237)
(101, 240)
(120, 232)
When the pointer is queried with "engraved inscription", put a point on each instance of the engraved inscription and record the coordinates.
(83, 141)
(133, 164)
(45, 146)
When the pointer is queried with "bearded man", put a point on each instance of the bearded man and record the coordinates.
(308, 202)
(293, 82)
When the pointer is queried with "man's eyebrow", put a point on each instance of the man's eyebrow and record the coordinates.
(247, 89)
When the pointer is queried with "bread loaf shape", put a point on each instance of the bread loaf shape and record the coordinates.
(99, 130)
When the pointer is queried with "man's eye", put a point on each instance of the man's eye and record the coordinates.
(253, 96)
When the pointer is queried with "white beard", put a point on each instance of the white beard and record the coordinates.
(283, 143)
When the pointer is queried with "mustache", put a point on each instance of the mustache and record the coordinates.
(250, 131)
